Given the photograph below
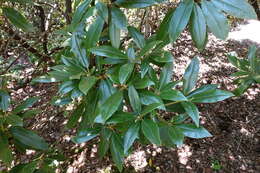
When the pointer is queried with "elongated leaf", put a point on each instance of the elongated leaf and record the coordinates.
(108, 51)
(111, 105)
(118, 18)
(192, 111)
(239, 63)
(80, 13)
(143, 83)
(190, 130)
(238, 8)
(17, 19)
(198, 27)
(121, 117)
(211, 97)
(117, 151)
(29, 138)
(135, 3)
(102, 10)
(104, 144)
(148, 98)
(5, 152)
(216, 21)
(85, 135)
(106, 89)
(176, 135)
(173, 95)
(94, 32)
(190, 76)
(252, 58)
(163, 31)
(137, 36)
(150, 108)
(134, 99)
(86, 83)
(204, 89)
(4, 100)
(166, 75)
(151, 131)
(25, 168)
(27, 103)
(148, 48)
(114, 35)
(14, 120)
(125, 72)
(75, 116)
(130, 136)
(180, 19)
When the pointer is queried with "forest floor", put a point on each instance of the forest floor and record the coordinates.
(234, 123)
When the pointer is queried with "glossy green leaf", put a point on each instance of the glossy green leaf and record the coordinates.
(192, 110)
(26, 104)
(143, 83)
(176, 135)
(108, 51)
(252, 58)
(66, 87)
(173, 95)
(17, 19)
(211, 97)
(239, 63)
(80, 13)
(191, 76)
(148, 97)
(86, 83)
(190, 130)
(4, 100)
(134, 99)
(118, 18)
(203, 90)
(5, 152)
(102, 10)
(135, 3)
(14, 120)
(111, 105)
(75, 116)
(117, 151)
(114, 35)
(162, 33)
(151, 131)
(125, 72)
(130, 136)
(148, 47)
(166, 75)
(104, 144)
(28, 138)
(180, 19)
(30, 113)
(121, 117)
(237, 8)
(198, 27)
(216, 21)
(137, 36)
(106, 89)
(85, 135)
(94, 32)
(150, 108)
(25, 168)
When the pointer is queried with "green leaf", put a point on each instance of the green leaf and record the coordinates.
(137, 36)
(252, 58)
(114, 35)
(198, 27)
(4, 100)
(180, 19)
(130, 136)
(5, 152)
(117, 151)
(176, 135)
(118, 18)
(143, 83)
(190, 130)
(106, 89)
(243, 87)
(211, 97)
(121, 117)
(17, 19)
(66, 87)
(44, 79)
(173, 95)
(131, 54)
(103, 146)
(75, 116)
(25, 168)
(86, 83)
(216, 21)
(80, 13)
(125, 72)
(28, 138)
(78, 49)
(239, 8)
(108, 51)
(148, 47)
(148, 98)
(151, 131)
(203, 90)
(30, 113)
(192, 111)
(85, 135)
(111, 105)
(162, 33)
(166, 75)
(26, 104)
(102, 10)
(14, 120)
(94, 32)
(150, 108)
(239, 63)
(134, 99)
(191, 76)
(135, 3)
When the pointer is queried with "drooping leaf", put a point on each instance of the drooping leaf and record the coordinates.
(27, 103)
(252, 58)
(192, 111)
(102, 10)
(75, 116)
(163, 31)
(118, 18)
(117, 151)
(216, 21)
(125, 72)
(108, 51)
(198, 27)
(150, 108)
(121, 117)
(180, 19)
(14, 120)
(114, 35)
(4, 100)
(176, 135)
(173, 95)
(166, 75)
(148, 98)
(5, 152)
(86, 83)
(85, 135)
(134, 99)
(190, 76)
(17, 19)
(135, 3)
(190, 130)
(25, 168)
(130, 136)
(137, 36)
(151, 131)
(28, 138)
(104, 144)
(237, 8)
(80, 13)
